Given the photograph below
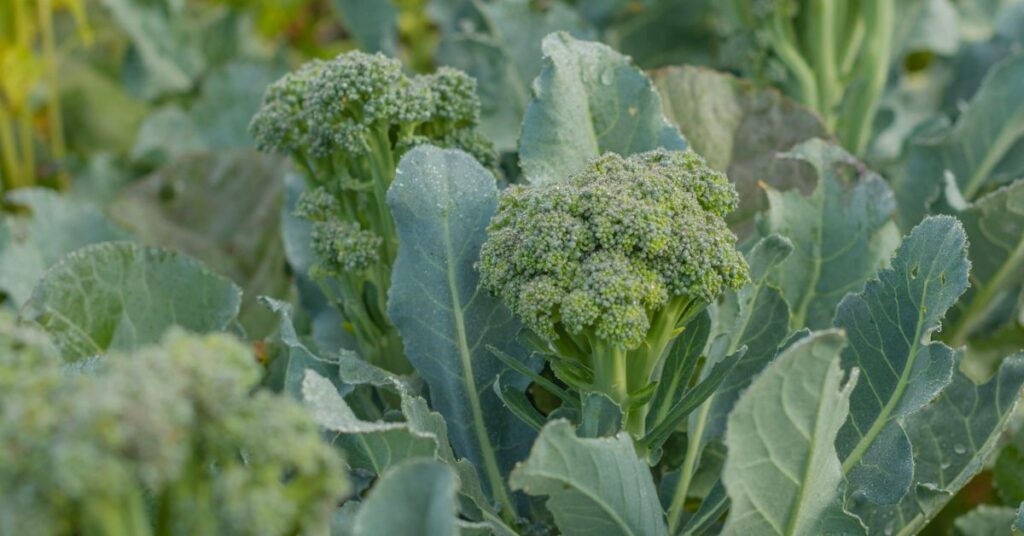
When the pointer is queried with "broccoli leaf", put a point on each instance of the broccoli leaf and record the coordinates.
(986, 520)
(842, 233)
(372, 23)
(55, 226)
(889, 325)
(504, 55)
(588, 100)
(196, 205)
(995, 227)
(120, 296)
(441, 201)
(782, 474)
(289, 358)
(584, 496)
(416, 497)
(739, 128)
(372, 446)
(953, 438)
(755, 316)
(973, 151)
(1009, 471)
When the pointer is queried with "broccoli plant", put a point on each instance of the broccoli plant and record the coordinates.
(833, 56)
(608, 267)
(346, 123)
(169, 440)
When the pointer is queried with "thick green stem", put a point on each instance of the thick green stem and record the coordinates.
(823, 52)
(610, 378)
(871, 73)
(785, 47)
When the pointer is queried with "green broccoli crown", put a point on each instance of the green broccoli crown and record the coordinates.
(178, 423)
(357, 101)
(612, 244)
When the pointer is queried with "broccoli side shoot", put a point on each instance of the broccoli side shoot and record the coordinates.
(606, 268)
(346, 123)
(175, 439)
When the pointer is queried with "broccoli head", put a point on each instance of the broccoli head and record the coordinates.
(609, 265)
(346, 123)
(174, 439)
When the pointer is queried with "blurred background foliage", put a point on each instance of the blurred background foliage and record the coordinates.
(136, 111)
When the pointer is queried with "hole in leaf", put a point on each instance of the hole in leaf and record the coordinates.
(913, 272)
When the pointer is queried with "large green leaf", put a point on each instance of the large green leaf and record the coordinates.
(1009, 471)
(986, 520)
(889, 325)
(412, 499)
(441, 201)
(119, 296)
(755, 316)
(977, 154)
(372, 23)
(422, 421)
(661, 32)
(54, 226)
(289, 358)
(595, 486)
(369, 445)
(164, 45)
(782, 473)
(504, 55)
(739, 128)
(588, 100)
(953, 439)
(217, 118)
(223, 209)
(841, 234)
(995, 228)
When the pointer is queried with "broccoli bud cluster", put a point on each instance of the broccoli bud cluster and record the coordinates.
(361, 105)
(611, 245)
(346, 123)
(174, 439)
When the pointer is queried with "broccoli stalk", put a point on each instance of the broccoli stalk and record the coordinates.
(346, 123)
(607, 268)
(835, 55)
(173, 439)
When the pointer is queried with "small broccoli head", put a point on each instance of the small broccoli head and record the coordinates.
(361, 104)
(182, 425)
(340, 246)
(603, 251)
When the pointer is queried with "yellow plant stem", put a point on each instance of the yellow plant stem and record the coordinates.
(55, 122)
(8, 152)
(28, 155)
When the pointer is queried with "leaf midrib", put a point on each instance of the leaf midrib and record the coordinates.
(465, 358)
(883, 416)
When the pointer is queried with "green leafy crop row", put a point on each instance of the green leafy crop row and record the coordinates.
(521, 267)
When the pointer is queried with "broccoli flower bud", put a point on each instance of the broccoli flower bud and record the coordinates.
(607, 266)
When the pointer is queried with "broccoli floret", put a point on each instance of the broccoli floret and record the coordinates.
(607, 267)
(174, 439)
(346, 123)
